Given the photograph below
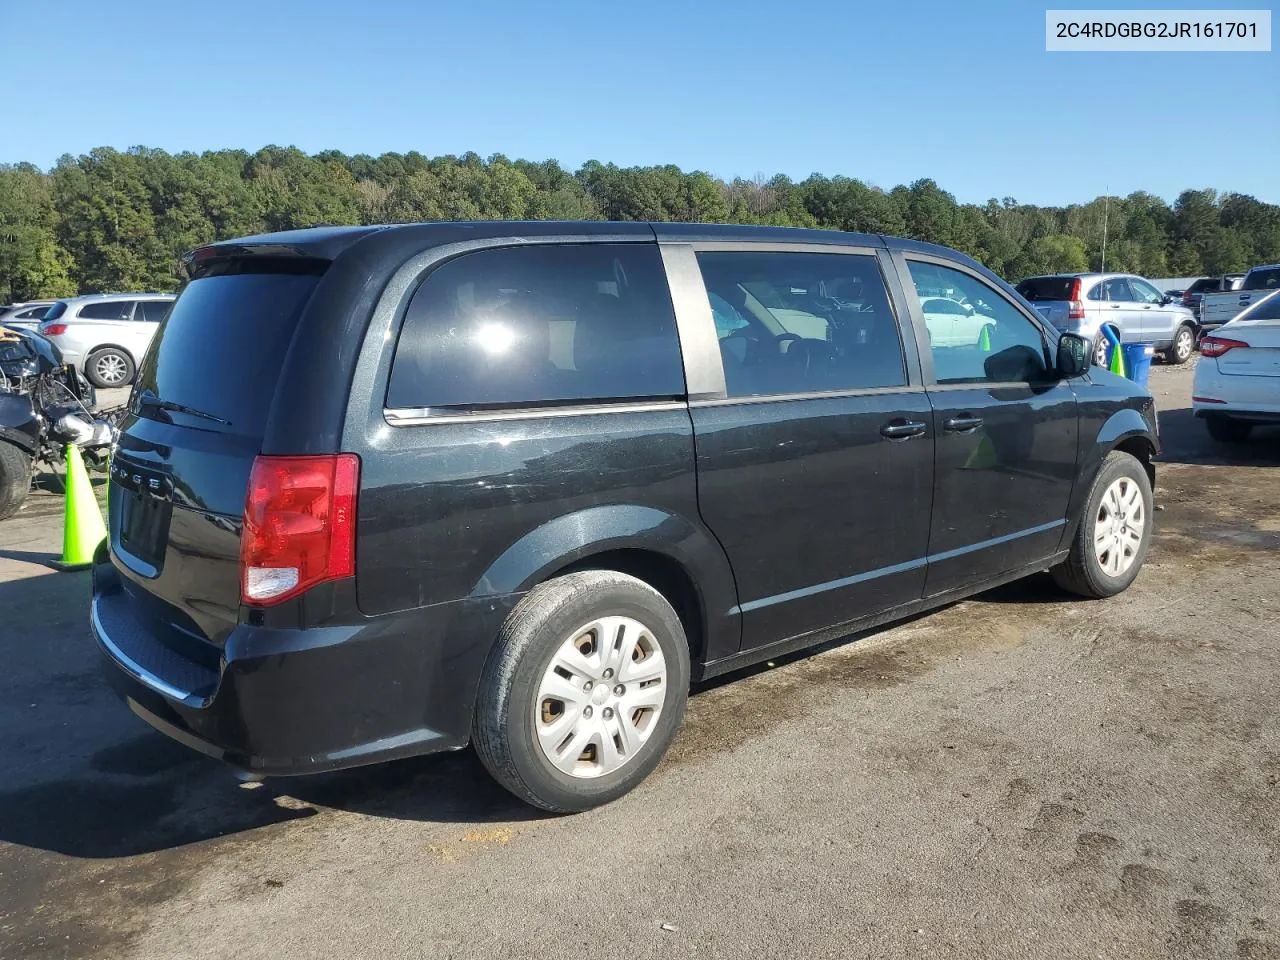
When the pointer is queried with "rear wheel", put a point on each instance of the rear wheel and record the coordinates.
(1114, 532)
(15, 479)
(583, 692)
(1184, 344)
(109, 367)
(1226, 430)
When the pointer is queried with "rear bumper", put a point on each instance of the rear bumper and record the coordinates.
(1241, 396)
(294, 701)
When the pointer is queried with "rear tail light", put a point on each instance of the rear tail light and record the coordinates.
(299, 525)
(1075, 311)
(1217, 346)
(53, 329)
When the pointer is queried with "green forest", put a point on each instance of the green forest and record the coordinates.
(111, 220)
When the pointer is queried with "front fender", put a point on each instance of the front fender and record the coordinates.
(1119, 427)
(18, 422)
(578, 536)
(1124, 424)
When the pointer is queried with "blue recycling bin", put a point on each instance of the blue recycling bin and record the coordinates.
(1137, 361)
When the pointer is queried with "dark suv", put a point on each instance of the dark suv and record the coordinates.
(385, 491)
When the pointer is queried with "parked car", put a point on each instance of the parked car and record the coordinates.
(1082, 302)
(1194, 294)
(511, 484)
(25, 315)
(1219, 308)
(1237, 383)
(950, 323)
(106, 335)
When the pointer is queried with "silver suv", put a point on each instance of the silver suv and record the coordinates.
(106, 334)
(1082, 302)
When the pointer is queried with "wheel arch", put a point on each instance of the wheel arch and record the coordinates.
(676, 556)
(1126, 430)
(98, 348)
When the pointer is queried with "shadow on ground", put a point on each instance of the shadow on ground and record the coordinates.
(1185, 439)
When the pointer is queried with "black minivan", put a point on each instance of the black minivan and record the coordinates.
(384, 491)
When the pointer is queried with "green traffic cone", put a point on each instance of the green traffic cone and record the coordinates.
(1116, 363)
(984, 339)
(82, 525)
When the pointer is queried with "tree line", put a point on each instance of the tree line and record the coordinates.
(111, 220)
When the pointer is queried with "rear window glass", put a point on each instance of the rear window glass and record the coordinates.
(1046, 288)
(110, 310)
(539, 324)
(222, 345)
(1267, 279)
(57, 310)
(1268, 309)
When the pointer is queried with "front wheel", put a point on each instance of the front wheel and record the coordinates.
(1114, 533)
(15, 478)
(583, 692)
(1184, 344)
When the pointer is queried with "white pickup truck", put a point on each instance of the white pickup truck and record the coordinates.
(1218, 308)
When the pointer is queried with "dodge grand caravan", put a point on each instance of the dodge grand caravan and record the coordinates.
(384, 491)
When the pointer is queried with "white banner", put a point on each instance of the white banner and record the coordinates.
(1157, 30)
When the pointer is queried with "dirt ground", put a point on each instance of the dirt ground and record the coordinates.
(1019, 775)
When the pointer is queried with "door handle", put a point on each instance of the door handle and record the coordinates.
(964, 424)
(1115, 306)
(903, 430)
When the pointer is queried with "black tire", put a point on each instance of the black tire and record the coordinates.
(117, 358)
(1183, 346)
(1227, 430)
(15, 478)
(503, 732)
(1081, 572)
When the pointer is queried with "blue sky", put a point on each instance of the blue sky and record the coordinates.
(887, 91)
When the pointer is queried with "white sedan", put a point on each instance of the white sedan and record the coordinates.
(1237, 381)
(952, 324)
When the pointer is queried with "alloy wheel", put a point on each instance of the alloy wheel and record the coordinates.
(111, 369)
(1183, 344)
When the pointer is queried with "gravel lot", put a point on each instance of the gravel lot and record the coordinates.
(1019, 775)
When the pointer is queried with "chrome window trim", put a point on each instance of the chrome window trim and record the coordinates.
(810, 395)
(751, 246)
(420, 416)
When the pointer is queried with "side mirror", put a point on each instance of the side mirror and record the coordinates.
(1166, 299)
(1075, 353)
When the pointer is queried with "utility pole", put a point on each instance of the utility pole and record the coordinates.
(1106, 209)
